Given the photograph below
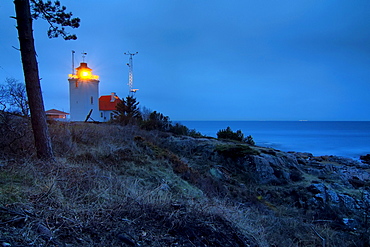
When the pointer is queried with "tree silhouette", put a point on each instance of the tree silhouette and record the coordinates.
(127, 111)
(58, 19)
(13, 97)
(157, 121)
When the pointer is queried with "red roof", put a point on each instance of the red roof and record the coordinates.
(55, 112)
(106, 103)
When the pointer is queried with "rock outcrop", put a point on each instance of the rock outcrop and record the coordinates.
(335, 188)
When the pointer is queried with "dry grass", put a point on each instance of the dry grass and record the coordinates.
(120, 186)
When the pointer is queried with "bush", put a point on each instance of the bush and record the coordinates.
(236, 136)
(157, 121)
(16, 137)
(229, 134)
(249, 140)
(179, 129)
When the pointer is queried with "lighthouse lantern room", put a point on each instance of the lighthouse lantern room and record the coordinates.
(84, 94)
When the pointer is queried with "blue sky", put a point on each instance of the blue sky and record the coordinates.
(213, 60)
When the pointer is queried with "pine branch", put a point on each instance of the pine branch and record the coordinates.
(56, 16)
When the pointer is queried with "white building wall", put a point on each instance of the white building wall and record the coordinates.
(84, 96)
(106, 116)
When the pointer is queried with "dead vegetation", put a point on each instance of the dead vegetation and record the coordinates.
(121, 186)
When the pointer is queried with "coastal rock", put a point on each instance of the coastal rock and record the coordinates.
(296, 175)
(260, 167)
(324, 195)
(302, 158)
(323, 184)
(302, 155)
(276, 169)
(284, 160)
(348, 202)
(317, 188)
(365, 159)
(358, 183)
(184, 144)
(319, 197)
(313, 171)
(332, 197)
(202, 148)
(344, 161)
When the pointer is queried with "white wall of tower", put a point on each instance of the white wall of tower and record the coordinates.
(84, 96)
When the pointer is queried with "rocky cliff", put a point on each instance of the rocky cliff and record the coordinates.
(333, 189)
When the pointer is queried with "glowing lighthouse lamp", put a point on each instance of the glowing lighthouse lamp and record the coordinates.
(84, 94)
(83, 73)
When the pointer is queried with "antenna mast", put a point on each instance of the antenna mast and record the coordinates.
(73, 62)
(130, 65)
(84, 54)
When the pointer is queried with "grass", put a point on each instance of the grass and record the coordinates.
(14, 182)
(119, 186)
(235, 151)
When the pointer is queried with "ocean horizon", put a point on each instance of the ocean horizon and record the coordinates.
(341, 138)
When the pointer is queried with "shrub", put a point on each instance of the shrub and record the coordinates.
(250, 140)
(236, 136)
(179, 129)
(157, 121)
(194, 133)
(15, 136)
(229, 134)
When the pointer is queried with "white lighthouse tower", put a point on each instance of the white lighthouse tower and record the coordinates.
(84, 94)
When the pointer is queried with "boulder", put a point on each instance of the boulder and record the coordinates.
(332, 197)
(348, 202)
(261, 169)
(365, 159)
(281, 168)
(324, 194)
(317, 188)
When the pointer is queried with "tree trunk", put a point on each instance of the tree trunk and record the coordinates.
(31, 76)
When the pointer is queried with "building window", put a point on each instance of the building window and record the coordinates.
(111, 115)
(91, 100)
(101, 114)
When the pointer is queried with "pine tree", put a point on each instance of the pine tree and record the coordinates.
(128, 111)
(58, 19)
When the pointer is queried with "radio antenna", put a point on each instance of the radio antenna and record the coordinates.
(73, 62)
(130, 65)
(83, 56)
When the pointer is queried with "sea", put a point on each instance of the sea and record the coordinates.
(349, 139)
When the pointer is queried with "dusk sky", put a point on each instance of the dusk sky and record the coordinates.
(212, 60)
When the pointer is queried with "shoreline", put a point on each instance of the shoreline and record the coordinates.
(349, 139)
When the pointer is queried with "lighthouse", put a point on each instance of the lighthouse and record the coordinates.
(84, 94)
